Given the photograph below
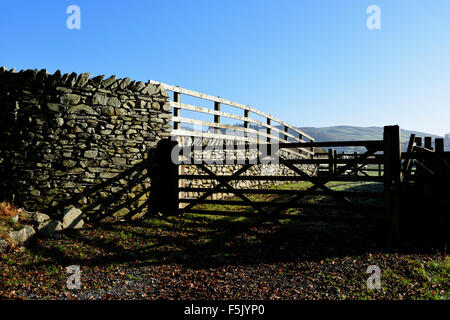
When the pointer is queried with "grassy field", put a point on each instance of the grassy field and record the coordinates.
(216, 257)
(334, 185)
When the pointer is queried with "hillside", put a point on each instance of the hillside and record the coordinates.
(339, 133)
(349, 133)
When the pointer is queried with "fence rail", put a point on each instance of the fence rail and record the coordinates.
(419, 168)
(281, 133)
(318, 186)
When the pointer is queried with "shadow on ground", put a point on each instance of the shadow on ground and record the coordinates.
(196, 241)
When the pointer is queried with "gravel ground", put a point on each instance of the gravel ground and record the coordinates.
(201, 258)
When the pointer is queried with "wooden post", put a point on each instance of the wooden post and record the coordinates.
(268, 130)
(407, 163)
(286, 129)
(418, 141)
(392, 180)
(428, 143)
(216, 116)
(246, 123)
(439, 164)
(167, 192)
(176, 111)
(181, 171)
(330, 162)
(246, 114)
(439, 144)
(300, 137)
(355, 156)
(335, 166)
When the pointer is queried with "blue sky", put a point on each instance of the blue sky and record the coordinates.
(311, 63)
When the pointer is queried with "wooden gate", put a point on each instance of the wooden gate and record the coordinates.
(240, 199)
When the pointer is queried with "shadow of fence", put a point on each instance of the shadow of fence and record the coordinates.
(134, 192)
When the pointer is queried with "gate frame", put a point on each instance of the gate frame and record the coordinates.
(390, 145)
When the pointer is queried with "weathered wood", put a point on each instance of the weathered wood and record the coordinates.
(227, 102)
(422, 149)
(318, 183)
(258, 145)
(224, 186)
(418, 141)
(335, 158)
(217, 117)
(427, 155)
(330, 162)
(281, 216)
(288, 178)
(223, 182)
(423, 168)
(356, 168)
(373, 144)
(366, 194)
(407, 164)
(247, 120)
(392, 180)
(176, 111)
(439, 144)
(234, 190)
(210, 135)
(280, 204)
(428, 143)
(335, 161)
(167, 197)
(256, 133)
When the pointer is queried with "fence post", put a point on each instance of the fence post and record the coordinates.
(418, 141)
(286, 129)
(216, 116)
(392, 180)
(439, 144)
(330, 162)
(176, 111)
(428, 143)
(168, 197)
(246, 123)
(246, 115)
(335, 165)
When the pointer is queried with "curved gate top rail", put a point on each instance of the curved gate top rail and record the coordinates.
(281, 133)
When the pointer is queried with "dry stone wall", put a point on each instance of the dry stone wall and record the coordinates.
(73, 140)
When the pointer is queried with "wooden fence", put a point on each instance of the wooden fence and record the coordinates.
(373, 165)
(383, 163)
(274, 129)
(318, 182)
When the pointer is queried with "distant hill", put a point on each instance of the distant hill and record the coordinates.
(340, 133)
(349, 133)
